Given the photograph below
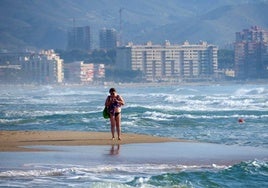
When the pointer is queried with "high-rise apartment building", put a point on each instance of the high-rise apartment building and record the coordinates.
(251, 53)
(169, 62)
(79, 38)
(108, 38)
(45, 67)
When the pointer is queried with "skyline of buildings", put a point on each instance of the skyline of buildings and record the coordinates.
(46, 67)
(156, 62)
(80, 38)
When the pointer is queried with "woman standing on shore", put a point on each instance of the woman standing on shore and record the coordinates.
(113, 103)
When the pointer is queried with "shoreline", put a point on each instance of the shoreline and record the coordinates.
(151, 84)
(16, 140)
(71, 147)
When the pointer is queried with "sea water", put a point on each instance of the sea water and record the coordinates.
(203, 113)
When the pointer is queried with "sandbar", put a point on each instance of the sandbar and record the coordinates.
(16, 140)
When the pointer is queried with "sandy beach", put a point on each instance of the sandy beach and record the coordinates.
(15, 140)
(92, 159)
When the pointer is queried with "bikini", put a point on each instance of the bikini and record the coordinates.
(112, 108)
(116, 114)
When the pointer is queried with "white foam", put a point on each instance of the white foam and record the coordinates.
(101, 171)
(158, 116)
(251, 91)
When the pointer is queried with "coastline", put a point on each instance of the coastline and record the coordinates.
(16, 140)
(152, 84)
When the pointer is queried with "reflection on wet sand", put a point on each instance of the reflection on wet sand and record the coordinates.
(115, 149)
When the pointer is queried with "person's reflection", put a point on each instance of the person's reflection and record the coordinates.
(115, 149)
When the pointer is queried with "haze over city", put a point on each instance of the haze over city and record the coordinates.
(31, 27)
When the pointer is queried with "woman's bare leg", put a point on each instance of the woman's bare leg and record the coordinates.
(118, 126)
(113, 124)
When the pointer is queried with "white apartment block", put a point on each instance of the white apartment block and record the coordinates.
(169, 62)
(44, 67)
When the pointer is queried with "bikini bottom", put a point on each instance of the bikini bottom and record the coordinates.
(116, 114)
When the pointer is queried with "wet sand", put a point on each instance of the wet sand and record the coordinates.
(71, 147)
(15, 140)
(171, 154)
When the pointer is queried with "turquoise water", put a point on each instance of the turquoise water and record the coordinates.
(200, 113)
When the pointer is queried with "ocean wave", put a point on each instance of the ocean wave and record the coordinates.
(219, 102)
(244, 174)
(251, 91)
(103, 170)
(186, 90)
(158, 116)
(15, 121)
(75, 93)
(46, 113)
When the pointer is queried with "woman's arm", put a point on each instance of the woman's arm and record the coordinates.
(121, 100)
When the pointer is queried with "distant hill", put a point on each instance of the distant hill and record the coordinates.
(44, 23)
(217, 26)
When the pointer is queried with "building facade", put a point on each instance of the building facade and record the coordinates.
(10, 69)
(83, 73)
(45, 67)
(251, 53)
(79, 38)
(169, 62)
(108, 39)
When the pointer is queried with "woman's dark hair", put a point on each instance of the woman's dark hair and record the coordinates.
(112, 90)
